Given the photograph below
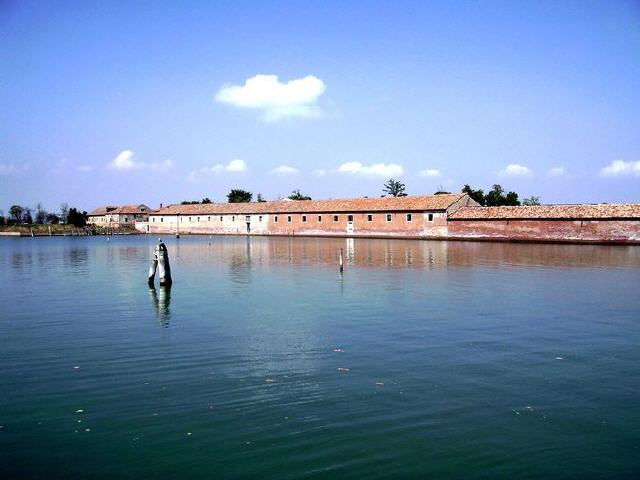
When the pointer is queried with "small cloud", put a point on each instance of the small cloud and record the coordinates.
(374, 170)
(234, 166)
(85, 168)
(555, 172)
(515, 170)
(276, 100)
(321, 172)
(430, 172)
(620, 168)
(13, 169)
(285, 170)
(126, 160)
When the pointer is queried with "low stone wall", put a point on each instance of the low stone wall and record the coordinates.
(576, 231)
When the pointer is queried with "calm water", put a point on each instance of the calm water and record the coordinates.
(424, 360)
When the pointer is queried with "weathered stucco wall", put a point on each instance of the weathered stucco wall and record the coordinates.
(601, 231)
(420, 224)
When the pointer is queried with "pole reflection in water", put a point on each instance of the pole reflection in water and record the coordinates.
(161, 299)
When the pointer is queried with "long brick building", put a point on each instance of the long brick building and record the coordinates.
(411, 216)
(448, 216)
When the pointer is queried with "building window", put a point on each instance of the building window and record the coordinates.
(220, 217)
(125, 219)
(369, 218)
(350, 218)
(430, 217)
(208, 219)
(335, 218)
(247, 218)
(161, 219)
(388, 217)
(304, 218)
(260, 218)
(198, 218)
(153, 219)
(319, 218)
(275, 218)
(189, 219)
(408, 217)
(288, 218)
(233, 218)
(180, 218)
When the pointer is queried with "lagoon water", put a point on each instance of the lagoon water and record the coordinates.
(423, 360)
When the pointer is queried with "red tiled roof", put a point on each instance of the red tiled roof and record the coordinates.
(579, 211)
(124, 209)
(409, 203)
(102, 210)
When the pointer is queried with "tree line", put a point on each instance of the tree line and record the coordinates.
(497, 196)
(21, 215)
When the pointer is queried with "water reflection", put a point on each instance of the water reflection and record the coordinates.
(241, 255)
(161, 300)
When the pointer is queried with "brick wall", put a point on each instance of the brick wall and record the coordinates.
(613, 231)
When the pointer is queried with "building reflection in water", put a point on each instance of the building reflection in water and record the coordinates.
(242, 255)
(161, 300)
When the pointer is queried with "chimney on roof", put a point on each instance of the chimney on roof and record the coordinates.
(160, 206)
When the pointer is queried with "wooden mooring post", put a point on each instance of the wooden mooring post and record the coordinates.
(160, 262)
(341, 261)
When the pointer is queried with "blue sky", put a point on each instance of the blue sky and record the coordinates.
(127, 102)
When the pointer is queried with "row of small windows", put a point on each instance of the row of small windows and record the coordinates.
(336, 218)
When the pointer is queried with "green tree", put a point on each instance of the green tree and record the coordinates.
(76, 217)
(206, 200)
(237, 195)
(395, 188)
(52, 218)
(530, 201)
(497, 197)
(296, 195)
(16, 213)
(477, 195)
(2, 220)
(189, 202)
(260, 199)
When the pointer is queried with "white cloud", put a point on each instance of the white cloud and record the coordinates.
(285, 170)
(12, 168)
(430, 172)
(126, 160)
(276, 100)
(620, 167)
(515, 170)
(555, 172)
(234, 166)
(374, 170)
(321, 172)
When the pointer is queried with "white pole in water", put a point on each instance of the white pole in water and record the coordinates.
(49, 230)
(341, 261)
